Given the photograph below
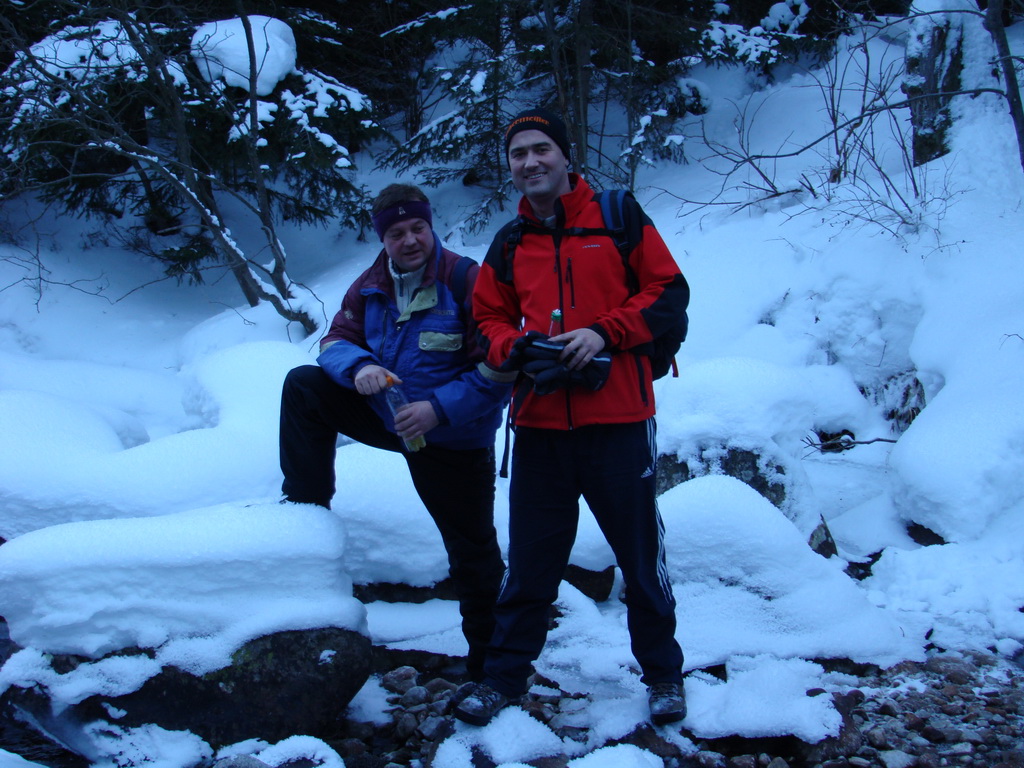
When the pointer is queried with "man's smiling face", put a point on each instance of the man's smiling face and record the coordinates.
(539, 169)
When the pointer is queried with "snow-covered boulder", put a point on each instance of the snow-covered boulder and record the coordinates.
(285, 684)
(230, 622)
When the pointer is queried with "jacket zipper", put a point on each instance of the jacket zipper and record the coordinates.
(558, 271)
(571, 282)
(557, 242)
(385, 322)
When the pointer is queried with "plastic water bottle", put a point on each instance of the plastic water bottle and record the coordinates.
(556, 323)
(396, 401)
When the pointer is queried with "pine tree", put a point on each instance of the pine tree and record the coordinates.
(121, 113)
(616, 72)
(469, 93)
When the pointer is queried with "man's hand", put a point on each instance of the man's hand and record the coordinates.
(580, 347)
(373, 379)
(415, 419)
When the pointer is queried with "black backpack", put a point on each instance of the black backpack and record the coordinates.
(623, 223)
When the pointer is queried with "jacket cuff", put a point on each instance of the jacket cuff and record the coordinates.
(495, 375)
(596, 328)
(442, 419)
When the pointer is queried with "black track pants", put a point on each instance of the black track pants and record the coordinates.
(612, 467)
(456, 487)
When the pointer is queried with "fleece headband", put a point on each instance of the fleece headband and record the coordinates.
(539, 120)
(408, 209)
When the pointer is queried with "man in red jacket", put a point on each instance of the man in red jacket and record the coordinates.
(579, 436)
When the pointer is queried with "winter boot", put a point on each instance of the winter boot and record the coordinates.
(667, 702)
(480, 704)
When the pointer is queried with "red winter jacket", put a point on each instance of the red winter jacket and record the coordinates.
(584, 276)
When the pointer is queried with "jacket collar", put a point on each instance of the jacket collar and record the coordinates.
(568, 206)
(378, 279)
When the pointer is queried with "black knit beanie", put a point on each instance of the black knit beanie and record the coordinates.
(539, 120)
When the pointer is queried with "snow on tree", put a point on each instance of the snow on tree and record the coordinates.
(150, 125)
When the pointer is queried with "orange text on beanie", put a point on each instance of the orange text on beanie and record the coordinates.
(539, 120)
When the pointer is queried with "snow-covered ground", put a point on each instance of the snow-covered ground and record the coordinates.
(139, 476)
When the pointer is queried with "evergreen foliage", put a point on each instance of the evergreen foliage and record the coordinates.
(617, 71)
(468, 86)
(113, 111)
(106, 110)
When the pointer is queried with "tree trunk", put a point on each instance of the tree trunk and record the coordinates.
(559, 69)
(994, 25)
(934, 64)
(581, 128)
(281, 293)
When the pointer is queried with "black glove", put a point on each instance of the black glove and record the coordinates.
(518, 357)
(591, 376)
(542, 351)
(552, 378)
(533, 354)
(594, 374)
(538, 366)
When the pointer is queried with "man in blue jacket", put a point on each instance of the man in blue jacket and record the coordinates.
(407, 321)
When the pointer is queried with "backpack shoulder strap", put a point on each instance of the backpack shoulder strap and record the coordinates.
(622, 217)
(612, 202)
(503, 248)
(459, 282)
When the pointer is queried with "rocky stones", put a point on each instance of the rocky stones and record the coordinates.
(935, 714)
(892, 719)
(597, 585)
(400, 680)
(952, 711)
(240, 761)
(287, 683)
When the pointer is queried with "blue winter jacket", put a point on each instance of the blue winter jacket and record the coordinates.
(432, 347)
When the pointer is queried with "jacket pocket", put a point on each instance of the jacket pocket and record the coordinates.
(434, 341)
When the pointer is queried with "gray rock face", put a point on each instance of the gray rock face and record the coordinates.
(293, 682)
(745, 466)
(763, 474)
